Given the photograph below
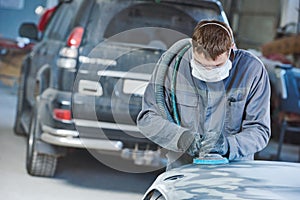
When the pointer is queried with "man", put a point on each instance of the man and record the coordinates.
(222, 99)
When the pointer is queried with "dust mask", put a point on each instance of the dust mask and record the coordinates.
(213, 74)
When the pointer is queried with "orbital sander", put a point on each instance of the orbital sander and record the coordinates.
(210, 159)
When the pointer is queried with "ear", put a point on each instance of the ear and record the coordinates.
(233, 46)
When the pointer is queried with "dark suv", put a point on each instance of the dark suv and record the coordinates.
(83, 83)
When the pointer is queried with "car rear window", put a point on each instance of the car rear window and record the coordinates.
(150, 15)
(112, 17)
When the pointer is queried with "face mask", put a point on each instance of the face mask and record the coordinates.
(214, 74)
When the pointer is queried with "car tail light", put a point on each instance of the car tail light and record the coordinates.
(45, 18)
(62, 114)
(66, 63)
(68, 55)
(67, 58)
(68, 52)
(75, 37)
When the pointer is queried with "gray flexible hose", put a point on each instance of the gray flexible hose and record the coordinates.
(162, 68)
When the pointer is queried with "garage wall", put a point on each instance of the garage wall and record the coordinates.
(14, 12)
(254, 22)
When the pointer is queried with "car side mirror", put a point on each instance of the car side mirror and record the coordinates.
(29, 30)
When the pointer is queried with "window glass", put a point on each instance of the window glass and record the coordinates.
(113, 17)
(151, 15)
(63, 20)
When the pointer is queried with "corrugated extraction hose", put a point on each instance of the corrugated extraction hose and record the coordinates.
(173, 84)
(179, 48)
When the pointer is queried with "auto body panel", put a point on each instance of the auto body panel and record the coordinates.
(236, 180)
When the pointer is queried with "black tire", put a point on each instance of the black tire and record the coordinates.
(157, 196)
(38, 164)
(18, 128)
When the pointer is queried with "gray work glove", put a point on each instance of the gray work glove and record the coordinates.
(214, 143)
(190, 143)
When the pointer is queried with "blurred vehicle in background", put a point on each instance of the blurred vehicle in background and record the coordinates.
(28, 39)
(82, 84)
(19, 44)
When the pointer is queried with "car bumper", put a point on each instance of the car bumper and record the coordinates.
(85, 133)
(85, 143)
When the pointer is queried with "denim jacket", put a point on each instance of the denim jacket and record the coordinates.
(239, 105)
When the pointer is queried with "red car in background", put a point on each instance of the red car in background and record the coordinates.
(7, 44)
(23, 44)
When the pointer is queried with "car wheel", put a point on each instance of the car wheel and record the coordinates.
(18, 128)
(157, 196)
(38, 164)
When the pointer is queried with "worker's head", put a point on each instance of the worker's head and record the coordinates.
(212, 40)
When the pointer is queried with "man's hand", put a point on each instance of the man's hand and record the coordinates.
(198, 146)
(190, 142)
(214, 143)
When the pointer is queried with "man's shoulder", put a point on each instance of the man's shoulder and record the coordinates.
(246, 58)
(245, 54)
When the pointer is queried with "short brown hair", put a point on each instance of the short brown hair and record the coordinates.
(212, 38)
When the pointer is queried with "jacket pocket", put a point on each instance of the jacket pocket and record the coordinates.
(186, 99)
(235, 109)
(187, 107)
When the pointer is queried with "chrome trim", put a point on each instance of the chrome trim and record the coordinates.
(136, 87)
(105, 125)
(60, 132)
(88, 87)
(68, 52)
(66, 103)
(102, 61)
(83, 143)
(67, 63)
(122, 74)
(83, 71)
